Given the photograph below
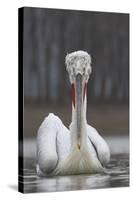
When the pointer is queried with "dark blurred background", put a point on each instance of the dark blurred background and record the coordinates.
(49, 34)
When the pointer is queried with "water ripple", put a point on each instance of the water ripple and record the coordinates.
(117, 176)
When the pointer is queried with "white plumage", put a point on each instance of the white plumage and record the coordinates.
(79, 149)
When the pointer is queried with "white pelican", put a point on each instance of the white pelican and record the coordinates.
(79, 149)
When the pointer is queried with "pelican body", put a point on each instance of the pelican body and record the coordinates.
(79, 149)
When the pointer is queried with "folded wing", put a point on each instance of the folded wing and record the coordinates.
(101, 147)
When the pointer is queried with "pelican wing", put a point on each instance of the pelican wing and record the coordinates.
(46, 145)
(99, 144)
(53, 143)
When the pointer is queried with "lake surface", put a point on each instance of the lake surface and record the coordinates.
(117, 176)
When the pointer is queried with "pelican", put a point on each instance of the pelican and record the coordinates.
(79, 149)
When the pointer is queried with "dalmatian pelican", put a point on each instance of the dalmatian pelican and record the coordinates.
(79, 149)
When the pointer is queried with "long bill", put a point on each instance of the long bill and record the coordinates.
(78, 107)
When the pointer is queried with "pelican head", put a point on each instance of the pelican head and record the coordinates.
(78, 62)
(78, 65)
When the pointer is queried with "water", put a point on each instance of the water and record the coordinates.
(117, 176)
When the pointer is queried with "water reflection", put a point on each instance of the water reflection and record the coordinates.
(117, 176)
